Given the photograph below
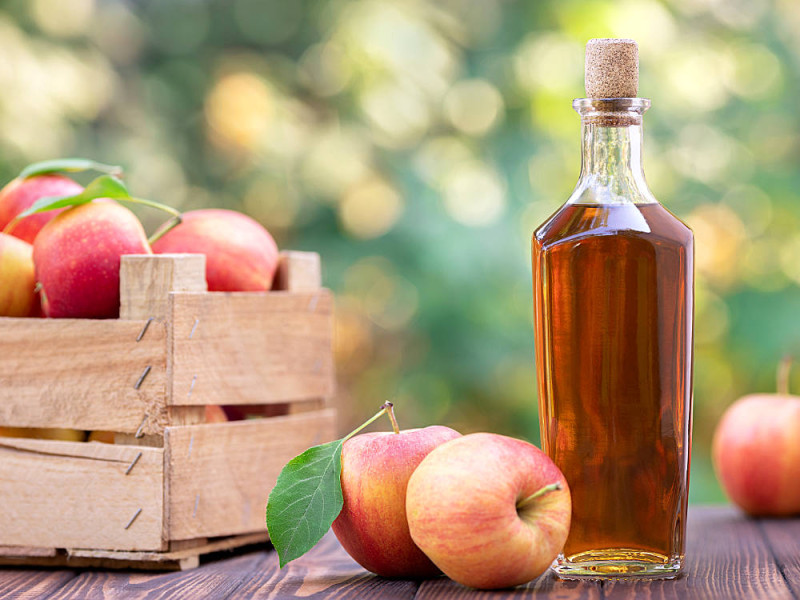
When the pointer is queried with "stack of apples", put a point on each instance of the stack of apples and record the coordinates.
(487, 510)
(64, 263)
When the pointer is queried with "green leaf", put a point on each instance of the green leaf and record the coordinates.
(305, 501)
(68, 165)
(105, 186)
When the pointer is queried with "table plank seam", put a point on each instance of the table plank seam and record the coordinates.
(778, 562)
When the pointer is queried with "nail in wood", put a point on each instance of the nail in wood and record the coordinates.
(133, 464)
(194, 327)
(141, 377)
(140, 431)
(144, 329)
(133, 518)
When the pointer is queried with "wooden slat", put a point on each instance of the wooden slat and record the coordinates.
(76, 495)
(547, 586)
(726, 557)
(783, 539)
(143, 560)
(147, 279)
(325, 572)
(298, 272)
(26, 551)
(251, 348)
(81, 374)
(219, 475)
(226, 543)
(24, 583)
(217, 580)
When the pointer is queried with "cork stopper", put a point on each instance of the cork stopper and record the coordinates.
(612, 68)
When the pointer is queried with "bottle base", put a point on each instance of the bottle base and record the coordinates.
(618, 563)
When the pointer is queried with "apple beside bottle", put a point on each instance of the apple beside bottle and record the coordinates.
(487, 510)
(372, 525)
(756, 454)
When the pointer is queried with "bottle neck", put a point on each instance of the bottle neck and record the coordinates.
(610, 152)
(611, 163)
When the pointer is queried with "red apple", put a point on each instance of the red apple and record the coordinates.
(215, 414)
(240, 254)
(19, 194)
(18, 297)
(372, 526)
(756, 454)
(490, 511)
(77, 258)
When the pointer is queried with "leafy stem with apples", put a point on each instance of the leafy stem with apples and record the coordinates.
(107, 185)
(307, 497)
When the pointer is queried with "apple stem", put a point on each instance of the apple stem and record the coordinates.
(165, 227)
(541, 492)
(152, 204)
(784, 369)
(390, 411)
(386, 407)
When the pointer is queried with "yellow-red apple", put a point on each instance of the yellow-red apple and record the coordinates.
(756, 454)
(42, 433)
(77, 258)
(19, 194)
(18, 297)
(372, 526)
(241, 256)
(490, 511)
(103, 437)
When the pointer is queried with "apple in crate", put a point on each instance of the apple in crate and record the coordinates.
(372, 526)
(20, 194)
(77, 258)
(240, 254)
(756, 454)
(490, 511)
(18, 297)
(40, 433)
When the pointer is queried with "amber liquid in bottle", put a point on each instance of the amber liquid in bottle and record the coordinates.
(613, 293)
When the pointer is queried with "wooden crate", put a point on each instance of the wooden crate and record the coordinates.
(171, 486)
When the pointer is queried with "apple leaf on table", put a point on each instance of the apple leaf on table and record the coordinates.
(306, 500)
(68, 165)
(307, 497)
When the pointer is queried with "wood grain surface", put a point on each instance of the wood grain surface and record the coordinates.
(298, 272)
(728, 556)
(325, 572)
(98, 504)
(24, 583)
(82, 374)
(783, 537)
(146, 281)
(217, 485)
(258, 348)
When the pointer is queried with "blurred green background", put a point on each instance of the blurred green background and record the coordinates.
(416, 145)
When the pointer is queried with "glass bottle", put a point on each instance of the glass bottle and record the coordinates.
(613, 283)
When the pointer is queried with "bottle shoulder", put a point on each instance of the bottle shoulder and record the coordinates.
(574, 222)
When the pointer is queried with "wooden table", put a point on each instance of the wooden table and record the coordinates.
(728, 556)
